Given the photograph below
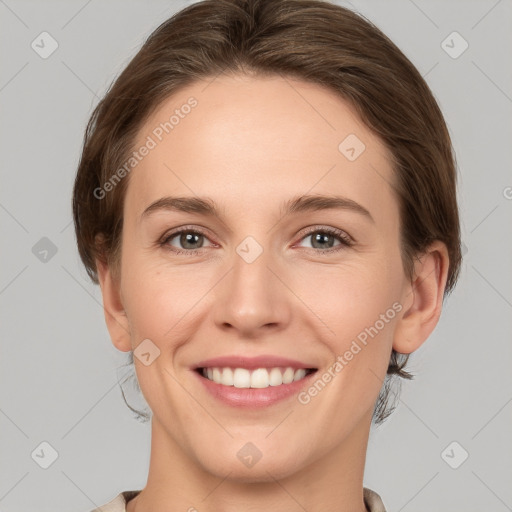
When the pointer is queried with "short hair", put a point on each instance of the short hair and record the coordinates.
(309, 40)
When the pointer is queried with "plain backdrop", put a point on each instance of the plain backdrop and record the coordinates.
(59, 393)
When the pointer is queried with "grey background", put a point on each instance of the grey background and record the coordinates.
(58, 366)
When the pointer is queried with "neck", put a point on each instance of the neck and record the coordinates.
(332, 482)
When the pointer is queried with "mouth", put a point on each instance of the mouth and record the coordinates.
(255, 378)
(253, 382)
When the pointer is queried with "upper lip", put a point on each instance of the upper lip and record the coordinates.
(262, 361)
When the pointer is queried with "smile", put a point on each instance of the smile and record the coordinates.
(256, 378)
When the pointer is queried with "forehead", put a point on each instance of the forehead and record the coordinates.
(257, 141)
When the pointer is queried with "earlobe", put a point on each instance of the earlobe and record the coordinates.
(115, 316)
(424, 299)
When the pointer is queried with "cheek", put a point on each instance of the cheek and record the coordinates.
(349, 297)
(162, 299)
(358, 308)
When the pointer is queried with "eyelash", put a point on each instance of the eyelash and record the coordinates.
(345, 240)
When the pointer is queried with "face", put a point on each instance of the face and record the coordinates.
(266, 280)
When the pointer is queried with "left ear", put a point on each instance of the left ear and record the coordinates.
(422, 299)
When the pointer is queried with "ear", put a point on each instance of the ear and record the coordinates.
(115, 316)
(422, 299)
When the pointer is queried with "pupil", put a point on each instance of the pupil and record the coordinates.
(186, 239)
(320, 237)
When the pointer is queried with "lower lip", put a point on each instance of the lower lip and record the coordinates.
(254, 397)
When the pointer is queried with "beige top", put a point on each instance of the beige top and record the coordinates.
(372, 501)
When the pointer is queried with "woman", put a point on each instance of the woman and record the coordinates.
(267, 198)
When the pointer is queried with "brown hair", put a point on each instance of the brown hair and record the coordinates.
(310, 40)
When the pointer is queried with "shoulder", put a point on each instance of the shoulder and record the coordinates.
(118, 504)
(373, 501)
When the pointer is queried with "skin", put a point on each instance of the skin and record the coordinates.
(250, 144)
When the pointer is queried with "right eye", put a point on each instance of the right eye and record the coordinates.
(186, 237)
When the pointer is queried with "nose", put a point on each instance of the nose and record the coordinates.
(252, 298)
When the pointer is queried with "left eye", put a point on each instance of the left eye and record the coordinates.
(323, 239)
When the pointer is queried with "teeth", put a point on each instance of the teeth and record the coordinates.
(288, 376)
(275, 377)
(227, 377)
(299, 374)
(241, 378)
(258, 378)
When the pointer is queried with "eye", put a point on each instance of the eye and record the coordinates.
(323, 238)
(189, 241)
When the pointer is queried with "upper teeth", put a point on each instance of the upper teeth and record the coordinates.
(258, 378)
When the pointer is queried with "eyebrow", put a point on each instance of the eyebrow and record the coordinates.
(306, 203)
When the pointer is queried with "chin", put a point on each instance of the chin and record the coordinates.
(249, 464)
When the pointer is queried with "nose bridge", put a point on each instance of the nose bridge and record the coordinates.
(250, 266)
(251, 297)
(250, 278)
